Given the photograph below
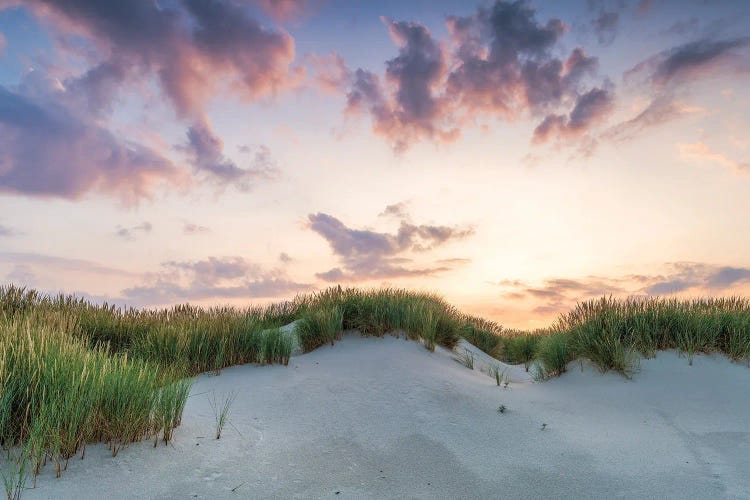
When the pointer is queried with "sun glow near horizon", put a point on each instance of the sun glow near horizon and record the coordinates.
(247, 154)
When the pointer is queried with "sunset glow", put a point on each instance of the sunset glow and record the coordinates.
(515, 157)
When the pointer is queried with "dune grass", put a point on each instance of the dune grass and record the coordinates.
(74, 373)
(612, 333)
(221, 409)
(321, 326)
(467, 359)
(553, 354)
(58, 393)
(419, 316)
(520, 348)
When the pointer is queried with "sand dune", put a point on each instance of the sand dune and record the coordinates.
(385, 418)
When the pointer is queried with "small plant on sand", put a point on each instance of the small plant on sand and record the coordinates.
(495, 373)
(15, 474)
(467, 359)
(168, 408)
(221, 410)
(544, 427)
(502, 409)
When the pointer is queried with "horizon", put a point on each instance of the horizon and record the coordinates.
(513, 157)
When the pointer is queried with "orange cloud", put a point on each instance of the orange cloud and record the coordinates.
(700, 151)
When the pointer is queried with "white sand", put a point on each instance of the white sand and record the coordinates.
(384, 418)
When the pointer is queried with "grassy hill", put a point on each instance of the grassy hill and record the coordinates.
(73, 373)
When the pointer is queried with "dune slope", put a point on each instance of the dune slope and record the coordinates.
(384, 418)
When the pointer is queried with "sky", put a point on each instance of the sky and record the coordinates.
(514, 157)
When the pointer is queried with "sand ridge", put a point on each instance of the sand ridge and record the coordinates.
(385, 418)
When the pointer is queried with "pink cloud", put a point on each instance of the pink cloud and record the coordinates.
(700, 151)
(191, 48)
(497, 62)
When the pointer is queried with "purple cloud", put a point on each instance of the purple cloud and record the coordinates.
(413, 110)
(205, 150)
(212, 278)
(497, 62)
(187, 46)
(559, 294)
(398, 210)
(690, 275)
(590, 107)
(284, 10)
(605, 27)
(366, 254)
(129, 233)
(49, 149)
(6, 231)
(691, 60)
(192, 228)
(662, 109)
(695, 58)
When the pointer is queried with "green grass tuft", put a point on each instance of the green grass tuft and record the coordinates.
(553, 355)
(74, 373)
(318, 327)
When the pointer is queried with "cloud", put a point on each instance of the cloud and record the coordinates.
(503, 62)
(52, 265)
(205, 150)
(559, 294)
(128, 233)
(605, 27)
(670, 70)
(21, 275)
(683, 27)
(284, 10)
(366, 254)
(193, 48)
(685, 276)
(330, 72)
(191, 228)
(454, 261)
(6, 232)
(497, 62)
(728, 276)
(700, 151)
(399, 210)
(174, 282)
(691, 60)
(3, 44)
(189, 45)
(412, 110)
(695, 58)
(49, 149)
(212, 278)
(644, 7)
(590, 108)
(662, 109)
(285, 258)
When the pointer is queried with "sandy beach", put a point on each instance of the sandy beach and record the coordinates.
(385, 418)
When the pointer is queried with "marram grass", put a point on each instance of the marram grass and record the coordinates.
(58, 393)
(74, 373)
